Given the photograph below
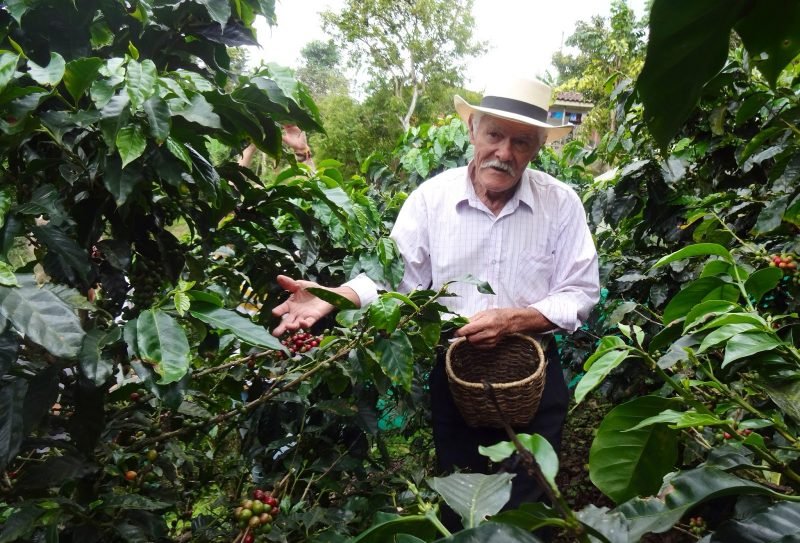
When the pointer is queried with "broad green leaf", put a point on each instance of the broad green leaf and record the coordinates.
(679, 419)
(771, 216)
(384, 313)
(623, 464)
(762, 281)
(491, 532)
(337, 300)
(49, 75)
(71, 257)
(778, 523)
(602, 525)
(396, 358)
(120, 183)
(769, 32)
(9, 350)
(390, 525)
(159, 119)
(197, 111)
(530, 516)
(474, 496)
(161, 342)
(218, 10)
(699, 290)
(687, 490)
(724, 333)
(131, 502)
(7, 277)
(43, 318)
(608, 343)
(179, 151)
(94, 364)
(736, 318)
(205, 297)
(182, 303)
(80, 74)
(536, 444)
(131, 143)
(12, 399)
(704, 311)
(599, 371)
(672, 78)
(785, 395)
(8, 66)
(483, 286)
(698, 249)
(743, 345)
(140, 81)
(21, 525)
(240, 326)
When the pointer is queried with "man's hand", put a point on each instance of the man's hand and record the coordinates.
(301, 309)
(487, 328)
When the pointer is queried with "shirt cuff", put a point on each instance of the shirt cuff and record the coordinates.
(560, 311)
(364, 287)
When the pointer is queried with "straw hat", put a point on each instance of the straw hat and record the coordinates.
(522, 100)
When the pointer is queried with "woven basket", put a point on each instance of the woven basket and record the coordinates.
(515, 368)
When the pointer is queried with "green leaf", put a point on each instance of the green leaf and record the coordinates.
(483, 286)
(699, 290)
(491, 532)
(396, 358)
(240, 326)
(197, 111)
(131, 143)
(12, 399)
(140, 81)
(698, 249)
(71, 256)
(159, 119)
(607, 343)
(80, 74)
(179, 152)
(623, 464)
(474, 496)
(736, 318)
(218, 10)
(762, 281)
(530, 516)
(182, 303)
(93, 363)
(120, 183)
(50, 75)
(687, 490)
(743, 345)
(536, 444)
(8, 66)
(337, 300)
(205, 297)
(785, 395)
(7, 277)
(43, 318)
(389, 525)
(384, 313)
(599, 371)
(724, 333)
(161, 342)
(703, 311)
(677, 420)
(131, 502)
(769, 32)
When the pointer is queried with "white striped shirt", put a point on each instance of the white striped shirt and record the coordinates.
(538, 252)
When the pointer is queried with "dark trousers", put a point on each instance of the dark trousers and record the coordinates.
(457, 443)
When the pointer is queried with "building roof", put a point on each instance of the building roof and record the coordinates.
(570, 96)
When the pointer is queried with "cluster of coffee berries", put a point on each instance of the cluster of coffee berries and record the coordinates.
(255, 516)
(301, 342)
(697, 525)
(784, 262)
(744, 432)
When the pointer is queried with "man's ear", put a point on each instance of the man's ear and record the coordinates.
(469, 128)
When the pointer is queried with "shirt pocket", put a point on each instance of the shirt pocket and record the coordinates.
(534, 275)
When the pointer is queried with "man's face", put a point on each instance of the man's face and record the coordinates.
(503, 150)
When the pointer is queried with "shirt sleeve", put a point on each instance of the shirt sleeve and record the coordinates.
(575, 284)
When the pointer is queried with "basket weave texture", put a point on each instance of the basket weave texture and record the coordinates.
(515, 368)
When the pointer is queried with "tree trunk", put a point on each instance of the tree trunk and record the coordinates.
(411, 107)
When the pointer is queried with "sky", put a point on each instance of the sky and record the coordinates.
(521, 35)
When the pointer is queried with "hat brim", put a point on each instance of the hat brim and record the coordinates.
(554, 133)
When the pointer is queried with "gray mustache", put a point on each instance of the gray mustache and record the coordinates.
(499, 165)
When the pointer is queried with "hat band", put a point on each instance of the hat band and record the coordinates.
(515, 106)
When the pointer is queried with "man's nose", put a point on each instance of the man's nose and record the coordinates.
(503, 150)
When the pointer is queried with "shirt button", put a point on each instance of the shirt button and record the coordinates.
(494, 261)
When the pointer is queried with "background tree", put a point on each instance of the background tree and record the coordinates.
(407, 47)
(321, 70)
(608, 51)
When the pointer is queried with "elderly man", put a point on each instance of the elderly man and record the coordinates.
(521, 230)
